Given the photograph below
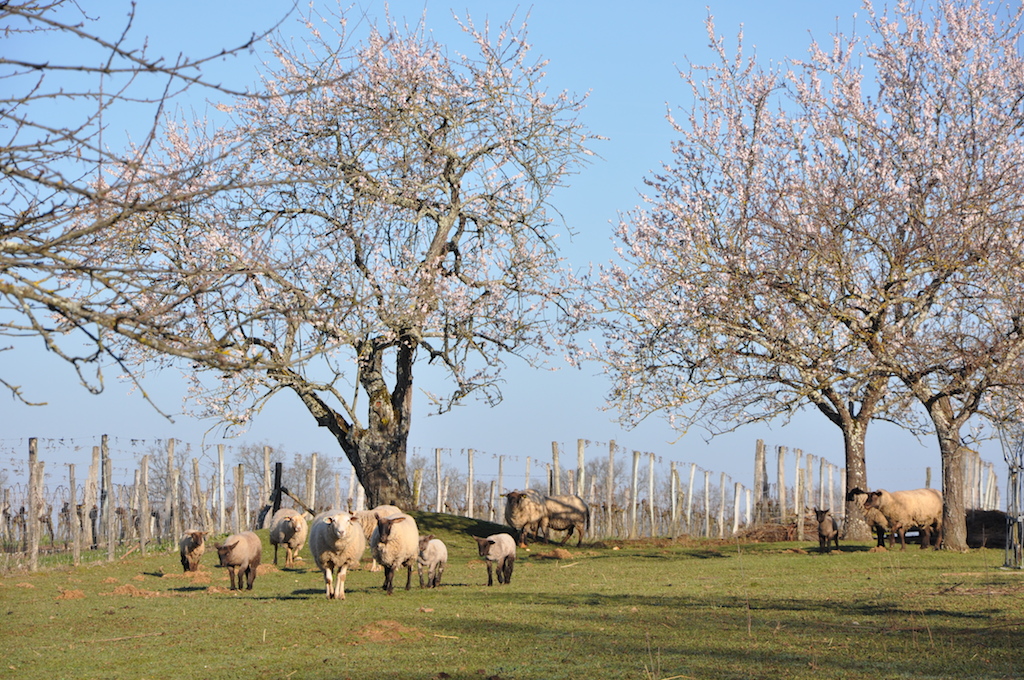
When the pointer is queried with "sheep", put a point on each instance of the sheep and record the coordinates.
(288, 528)
(192, 546)
(500, 550)
(395, 543)
(337, 542)
(524, 511)
(433, 558)
(828, 530)
(565, 513)
(921, 508)
(241, 554)
(368, 520)
(875, 519)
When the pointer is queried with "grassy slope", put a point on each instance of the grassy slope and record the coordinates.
(645, 610)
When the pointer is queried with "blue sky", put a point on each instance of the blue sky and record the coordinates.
(628, 60)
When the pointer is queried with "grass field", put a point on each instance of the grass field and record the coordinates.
(647, 610)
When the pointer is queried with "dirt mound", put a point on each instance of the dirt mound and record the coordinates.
(385, 631)
(71, 595)
(132, 591)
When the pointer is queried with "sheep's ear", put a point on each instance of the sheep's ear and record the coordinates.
(827, 510)
(398, 519)
(328, 520)
(353, 519)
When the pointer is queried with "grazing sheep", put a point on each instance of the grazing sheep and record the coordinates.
(337, 542)
(192, 546)
(395, 543)
(288, 528)
(565, 513)
(500, 550)
(524, 511)
(828, 530)
(903, 510)
(433, 558)
(241, 554)
(368, 520)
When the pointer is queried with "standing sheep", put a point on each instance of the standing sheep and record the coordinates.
(565, 513)
(337, 542)
(524, 511)
(903, 510)
(192, 546)
(875, 519)
(241, 554)
(500, 550)
(395, 543)
(828, 530)
(368, 520)
(433, 558)
(288, 528)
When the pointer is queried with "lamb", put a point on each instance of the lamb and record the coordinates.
(565, 513)
(368, 520)
(524, 511)
(395, 543)
(921, 508)
(192, 546)
(288, 528)
(337, 542)
(241, 554)
(828, 530)
(875, 519)
(500, 550)
(433, 558)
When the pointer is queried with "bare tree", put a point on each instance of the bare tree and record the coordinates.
(824, 239)
(395, 220)
(65, 191)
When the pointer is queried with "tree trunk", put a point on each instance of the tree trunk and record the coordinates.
(856, 527)
(954, 511)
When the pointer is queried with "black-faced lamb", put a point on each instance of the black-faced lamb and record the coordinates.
(192, 546)
(395, 544)
(524, 511)
(241, 554)
(337, 542)
(565, 513)
(828, 530)
(288, 528)
(368, 520)
(433, 558)
(903, 510)
(499, 550)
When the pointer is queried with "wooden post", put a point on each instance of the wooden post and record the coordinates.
(108, 505)
(633, 500)
(610, 488)
(417, 487)
(237, 523)
(798, 494)
(673, 493)
(501, 474)
(491, 505)
(437, 476)
(781, 456)
(91, 510)
(176, 528)
(337, 489)
(311, 483)
(556, 470)
(581, 473)
(689, 499)
(170, 512)
(736, 508)
(34, 501)
(650, 492)
(265, 489)
(707, 504)
(220, 490)
(831, 486)
(76, 527)
(144, 512)
(760, 480)
(469, 483)
(721, 506)
(527, 473)
(927, 478)
(198, 497)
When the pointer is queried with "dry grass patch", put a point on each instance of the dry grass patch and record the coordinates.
(385, 631)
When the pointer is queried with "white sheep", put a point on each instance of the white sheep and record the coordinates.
(565, 513)
(191, 547)
(500, 550)
(524, 511)
(288, 528)
(368, 520)
(337, 542)
(241, 554)
(433, 558)
(395, 543)
(921, 508)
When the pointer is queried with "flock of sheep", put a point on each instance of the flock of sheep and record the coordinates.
(337, 541)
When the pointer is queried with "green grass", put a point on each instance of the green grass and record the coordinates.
(646, 610)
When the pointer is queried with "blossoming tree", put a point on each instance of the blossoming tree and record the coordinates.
(843, 230)
(393, 221)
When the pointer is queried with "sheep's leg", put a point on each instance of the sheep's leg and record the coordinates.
(329, 581)
(506, 566)
(580, 541)
(490, 573)
(903, 538)
(389, 576)
(339, 584)
(275, 554)
(250, 577)
(419, 571)
(437, 575)
(231, 577)
(568, 534)
(408, 576)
